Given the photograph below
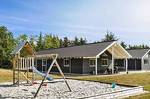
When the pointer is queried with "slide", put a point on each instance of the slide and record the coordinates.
(41, 74)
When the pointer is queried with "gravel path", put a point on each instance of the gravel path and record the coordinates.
(57, 90)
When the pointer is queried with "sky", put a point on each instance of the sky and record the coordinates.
(129, 20)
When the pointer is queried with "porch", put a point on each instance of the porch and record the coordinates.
(106, 60)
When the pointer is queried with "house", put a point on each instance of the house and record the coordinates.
(84, 59)
(140, 59)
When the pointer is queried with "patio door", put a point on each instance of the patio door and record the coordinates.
(44, 65)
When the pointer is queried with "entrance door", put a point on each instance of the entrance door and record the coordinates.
(138, 64)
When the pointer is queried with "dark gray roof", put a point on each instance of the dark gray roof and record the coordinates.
(89, 50)
(19, 47)
(138, 53)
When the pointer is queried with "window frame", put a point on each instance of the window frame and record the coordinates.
(66, 65)
(104, 59)
(43, 62)
(94, 61)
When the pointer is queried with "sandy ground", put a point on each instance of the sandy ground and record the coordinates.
(57, 90)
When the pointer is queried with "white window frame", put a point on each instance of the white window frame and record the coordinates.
(66, 65)
(43, 62)
(104, 59)
(92, 65)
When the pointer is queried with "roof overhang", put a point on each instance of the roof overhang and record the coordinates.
(116, 50)
(146, 53)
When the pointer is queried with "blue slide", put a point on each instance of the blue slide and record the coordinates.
(41, 74)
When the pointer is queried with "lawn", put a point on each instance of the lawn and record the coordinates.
(7, 76)
(141, 79)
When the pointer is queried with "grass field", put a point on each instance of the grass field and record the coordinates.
(7, 76)
(141, 79)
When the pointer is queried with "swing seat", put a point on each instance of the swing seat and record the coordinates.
(49, 78)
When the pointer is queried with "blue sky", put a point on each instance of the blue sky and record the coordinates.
(128, 19)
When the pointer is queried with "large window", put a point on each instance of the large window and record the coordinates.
(92, 62)
(146, 61)
(104, 62)
(44, 62)
(66, 62)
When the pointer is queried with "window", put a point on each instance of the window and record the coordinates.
(146, 61)
(44, 62)
(92, 62)
(66, 62)
(104, 62)
(35, 62)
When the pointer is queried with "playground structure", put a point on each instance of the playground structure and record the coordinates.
(23, 63)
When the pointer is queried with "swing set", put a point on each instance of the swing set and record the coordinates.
(23, 63)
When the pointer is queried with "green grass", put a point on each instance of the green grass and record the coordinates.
(7, 76)
(141, 79)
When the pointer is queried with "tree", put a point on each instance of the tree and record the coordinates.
(32, 41)
(82, 41)
(142, 46)
(7, 43)
(51, 41)
(61, 42)
(48, 41)
(109, 37)
(40, 43)
(56, 42)
(123, 45)
(66, 42)
(76, 41)
(22, 38)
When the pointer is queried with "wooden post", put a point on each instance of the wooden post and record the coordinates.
(96, 66)
(28, 64)
(14, 64)
(126, 65)
(33, 74)
(18, 62)
(52, 64)
(112, 60)
(70, 65)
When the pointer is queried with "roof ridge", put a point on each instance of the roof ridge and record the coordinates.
(138, 49)
(79, 45)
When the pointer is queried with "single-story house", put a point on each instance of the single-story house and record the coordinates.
(140, 59)
(92, 58)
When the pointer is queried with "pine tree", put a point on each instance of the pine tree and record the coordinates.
(123, 45)
(76, 41)
(82, 41)
(22, 38)
(109, 37)
(33, 41)
(66, 42)
(61, 42)
(48, 43)
(40, 43)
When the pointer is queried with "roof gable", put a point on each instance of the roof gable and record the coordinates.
(23, 45)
